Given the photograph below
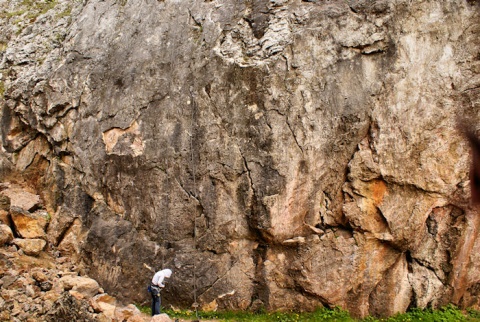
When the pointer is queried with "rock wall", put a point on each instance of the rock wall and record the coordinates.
(39, 283)
(283, 154)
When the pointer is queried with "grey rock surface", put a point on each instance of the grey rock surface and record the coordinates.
(290, 154)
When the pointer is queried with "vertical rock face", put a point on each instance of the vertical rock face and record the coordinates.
(290, 154)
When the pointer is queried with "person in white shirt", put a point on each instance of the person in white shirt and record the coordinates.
(158, 282)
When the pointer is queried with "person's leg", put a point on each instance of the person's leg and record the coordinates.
(157, 305)
(153, 304)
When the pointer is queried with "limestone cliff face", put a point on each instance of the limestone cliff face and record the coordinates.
(282, 153)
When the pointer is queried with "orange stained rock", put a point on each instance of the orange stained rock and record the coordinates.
(378, 188)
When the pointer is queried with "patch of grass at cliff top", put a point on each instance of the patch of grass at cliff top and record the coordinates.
(43, 6)
(12, 14)
(65, 13)
(33, 8)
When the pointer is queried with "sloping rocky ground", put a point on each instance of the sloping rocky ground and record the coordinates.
(40, 282)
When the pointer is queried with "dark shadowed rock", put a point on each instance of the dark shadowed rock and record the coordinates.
(67, 308)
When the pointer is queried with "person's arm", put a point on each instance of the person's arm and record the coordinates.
(160, 281)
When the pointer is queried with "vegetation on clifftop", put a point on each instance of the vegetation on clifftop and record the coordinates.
(34, 8)
(27, 12)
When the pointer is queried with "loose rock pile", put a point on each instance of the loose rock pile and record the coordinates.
(37, 281)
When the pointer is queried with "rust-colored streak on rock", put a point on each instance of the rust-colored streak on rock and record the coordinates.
(462, 263)
(379, 188)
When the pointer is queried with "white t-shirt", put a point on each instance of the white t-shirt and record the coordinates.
(160, 276)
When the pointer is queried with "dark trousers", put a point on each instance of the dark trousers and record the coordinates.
(156, 301)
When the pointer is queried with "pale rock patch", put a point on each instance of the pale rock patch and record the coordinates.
(29, 225)
(21, 198)
(6, 234)
(31, 247)
(161, 318)
(84, 285)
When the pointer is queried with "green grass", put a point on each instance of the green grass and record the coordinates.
(33, 8)
(12, 14)
(447, 313)
(319, 315)
(66, 13)
(43, 6)
(144, 309)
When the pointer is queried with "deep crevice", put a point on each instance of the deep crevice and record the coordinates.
(64, 233)
(260, 288)
(293, 134)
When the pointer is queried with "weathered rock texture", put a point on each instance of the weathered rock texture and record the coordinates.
(36, 284)
(284, 153)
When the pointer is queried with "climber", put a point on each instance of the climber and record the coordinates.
(158, 282)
